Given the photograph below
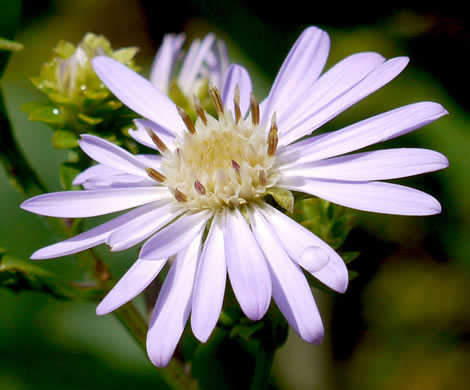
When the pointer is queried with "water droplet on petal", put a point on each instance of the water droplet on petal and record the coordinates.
(313, 258)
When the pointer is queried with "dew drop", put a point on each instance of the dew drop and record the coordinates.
(55, 111)
(313, 258)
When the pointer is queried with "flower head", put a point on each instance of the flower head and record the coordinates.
(202, 202)
(183, 76)
(77, 100)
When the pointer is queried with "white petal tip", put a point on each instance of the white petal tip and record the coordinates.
(202, 336)
(158, 359)
(39, 255)
(101, 311)
(314, 337)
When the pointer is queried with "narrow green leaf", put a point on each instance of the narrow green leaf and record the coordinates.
(8, 45)
(349, 257)
(19, 275)
(89, 119)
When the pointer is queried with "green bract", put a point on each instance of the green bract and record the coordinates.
(77, 100)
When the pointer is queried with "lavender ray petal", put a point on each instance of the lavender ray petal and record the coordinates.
(300, 70)
(209, 288)
(137, 93)
(372, 196)
(247, 268)
(90, 203)
(295, 239)
(134, 281)
(175, 236)
(173, 305)
(291, 291)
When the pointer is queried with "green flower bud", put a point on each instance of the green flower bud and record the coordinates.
(77, 100)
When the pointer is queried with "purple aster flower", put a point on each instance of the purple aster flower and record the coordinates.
(212, 176)
(205, 60)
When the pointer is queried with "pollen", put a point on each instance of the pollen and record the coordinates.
(222, 162)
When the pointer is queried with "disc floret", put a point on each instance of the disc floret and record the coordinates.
(221, 162)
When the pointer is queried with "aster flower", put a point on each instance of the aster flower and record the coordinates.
(202, 201)
(205, 61)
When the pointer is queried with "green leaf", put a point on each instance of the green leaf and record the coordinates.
(64, 139)
(49, 114)
(19, 275)
(6, 44)
(246, 329)
(353, 274)
(283, 198)
(349, 257)
(89, 119)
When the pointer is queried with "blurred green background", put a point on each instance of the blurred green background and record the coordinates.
(404, 322)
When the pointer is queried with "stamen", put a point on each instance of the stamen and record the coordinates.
(254, 109)
(199, 187)
(236, 101)
(179, 196)
(187, 120)
(155, 175)
(273, 139)
(236, 166)
(262, 178)
(216, 98)
(199, 110)
(156, 140)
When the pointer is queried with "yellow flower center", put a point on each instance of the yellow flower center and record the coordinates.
(223, 162)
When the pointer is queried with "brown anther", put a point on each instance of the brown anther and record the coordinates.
(199, 187)
(273, 139)
(179, 196)
(199, 110)
(236, 101)
(236, 167)
(156, 140)
(254, 110)
(155, 175)
(187, 120)
(262, 178)
(216, 98)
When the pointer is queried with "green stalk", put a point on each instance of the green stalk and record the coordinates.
(26, 181)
